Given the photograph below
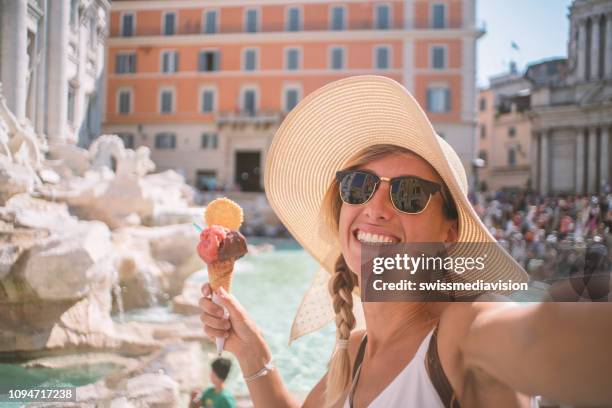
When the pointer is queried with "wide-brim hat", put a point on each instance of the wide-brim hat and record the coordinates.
(319, 136)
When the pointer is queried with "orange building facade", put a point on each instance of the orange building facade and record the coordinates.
(205, 83)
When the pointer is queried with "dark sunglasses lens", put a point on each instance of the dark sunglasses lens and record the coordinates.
(409, 194)
(357, 187)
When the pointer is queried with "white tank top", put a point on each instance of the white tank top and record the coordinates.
(412, 386)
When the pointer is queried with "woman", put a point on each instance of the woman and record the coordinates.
(410, 354)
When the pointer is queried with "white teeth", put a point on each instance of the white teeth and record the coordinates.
(374, 238)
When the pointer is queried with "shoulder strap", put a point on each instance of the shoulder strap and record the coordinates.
(357, 368)
(360, 354)
(436, 374)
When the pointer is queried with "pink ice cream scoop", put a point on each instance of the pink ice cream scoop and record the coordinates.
(210, 240)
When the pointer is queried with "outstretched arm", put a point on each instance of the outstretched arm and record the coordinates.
(559, 350)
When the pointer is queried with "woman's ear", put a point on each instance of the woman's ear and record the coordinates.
(452, 233)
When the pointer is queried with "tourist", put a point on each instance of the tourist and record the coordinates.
(216, 396)
(412, 354)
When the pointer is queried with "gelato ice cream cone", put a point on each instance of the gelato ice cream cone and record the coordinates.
(221, 244)
(220, 274)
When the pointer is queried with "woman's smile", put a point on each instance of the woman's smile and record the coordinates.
(374, 234)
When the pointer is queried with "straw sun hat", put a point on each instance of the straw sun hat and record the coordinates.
(318, 137)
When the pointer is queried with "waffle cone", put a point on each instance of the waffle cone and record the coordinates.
(220, 274)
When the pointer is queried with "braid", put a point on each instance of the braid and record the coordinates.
(341, 285)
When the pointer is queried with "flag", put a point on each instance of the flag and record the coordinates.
(514, 46)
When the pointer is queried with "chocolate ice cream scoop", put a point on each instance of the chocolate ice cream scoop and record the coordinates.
(233, 246)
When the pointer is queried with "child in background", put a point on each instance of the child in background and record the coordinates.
(216, 396)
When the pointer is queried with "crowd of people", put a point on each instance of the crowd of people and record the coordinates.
(548, 236)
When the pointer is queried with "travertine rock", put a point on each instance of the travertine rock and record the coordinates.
(66, 266)
(172, 245)
(15, 179)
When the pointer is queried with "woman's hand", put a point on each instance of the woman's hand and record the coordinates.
(242, 337)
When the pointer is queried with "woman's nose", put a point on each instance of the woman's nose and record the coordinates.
(379, 207)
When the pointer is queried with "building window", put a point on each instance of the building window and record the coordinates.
(169, 23)
(208, 100)
(511, 157)
(292, 59)
(128, 140)
(438, 99)
(206, 180)
(125, 101)
(291, 98)
(165, 140)
(208, 61)
(337, 58)
(383, 17)
(125, 63)
(338, 18)
(483, 104)
(511, 131)
(210, 141)
(249, 59)
(166, 101)
(483, 131)
(438, 57)
(382, 57)
(169, 62)
(294, 18)
(127, 25)
(249, 101)
(210, 22)
(71, 103)
(250, 24)
(438, 15)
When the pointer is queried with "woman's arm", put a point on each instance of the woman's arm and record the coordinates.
(245, 341)
(559, 350)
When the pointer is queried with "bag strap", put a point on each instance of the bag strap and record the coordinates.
(436, 374)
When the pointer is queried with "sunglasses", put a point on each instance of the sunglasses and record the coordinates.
(409, 194)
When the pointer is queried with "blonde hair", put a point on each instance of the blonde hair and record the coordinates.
(343, 280)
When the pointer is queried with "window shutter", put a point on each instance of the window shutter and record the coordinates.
(447, 101)
(429, 100)
(201, 61)
(216, 61)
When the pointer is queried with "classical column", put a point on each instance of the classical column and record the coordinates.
(608, 54)
(544, 135)
(582, 34)
(41, 73)
(595, 48)
(603, 154)
(14, 55)
(57, 61)
(592, 164)
(579, 160)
